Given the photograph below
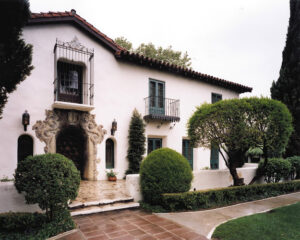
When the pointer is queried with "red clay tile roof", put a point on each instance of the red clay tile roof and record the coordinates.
(122, 54)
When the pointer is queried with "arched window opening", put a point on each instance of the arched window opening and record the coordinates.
(110, 153)
(25, 147)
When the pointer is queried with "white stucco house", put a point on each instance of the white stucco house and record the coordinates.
(83, 83)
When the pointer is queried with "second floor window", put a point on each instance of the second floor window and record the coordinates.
(69, 82)
(215, 97)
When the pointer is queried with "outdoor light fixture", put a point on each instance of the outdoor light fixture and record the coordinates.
(25, 120)
(113, 127)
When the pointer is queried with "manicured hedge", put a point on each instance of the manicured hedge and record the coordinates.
(225, 196)
(33, 226)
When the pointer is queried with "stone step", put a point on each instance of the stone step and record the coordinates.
(103, 208)
(102, 202)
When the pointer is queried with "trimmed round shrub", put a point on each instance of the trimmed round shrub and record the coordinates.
(164, 171)
(276, 169)
(50, 180)
(295, 170)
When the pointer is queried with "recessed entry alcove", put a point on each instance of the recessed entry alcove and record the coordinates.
(74, 134)
(71, 142)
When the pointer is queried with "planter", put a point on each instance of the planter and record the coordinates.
(112, 179)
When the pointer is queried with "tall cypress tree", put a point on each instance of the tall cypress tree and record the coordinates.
(287, 87)
(15, 54)
(136, 142)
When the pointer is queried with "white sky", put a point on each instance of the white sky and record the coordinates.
(237, 40)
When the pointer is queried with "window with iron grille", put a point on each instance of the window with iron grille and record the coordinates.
(73, 73)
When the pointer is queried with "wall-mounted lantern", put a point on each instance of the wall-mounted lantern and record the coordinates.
(113, 127)
(25, 120)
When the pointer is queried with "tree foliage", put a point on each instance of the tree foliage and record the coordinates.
(287, 87)
(236, 125)
(123, 42)
(168, 54)
(136, 142)
(15, 54)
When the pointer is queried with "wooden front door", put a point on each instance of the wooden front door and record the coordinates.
(71, 143)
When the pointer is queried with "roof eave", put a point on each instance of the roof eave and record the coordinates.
(76, 22)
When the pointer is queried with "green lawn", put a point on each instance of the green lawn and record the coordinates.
(279, 224)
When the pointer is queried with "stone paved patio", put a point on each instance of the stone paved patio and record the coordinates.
(129, 225)
(98, 191)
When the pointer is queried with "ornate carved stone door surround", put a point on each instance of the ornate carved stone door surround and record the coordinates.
(48, 129)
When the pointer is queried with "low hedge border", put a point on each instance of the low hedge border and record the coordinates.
(225, 196)
(33, 226)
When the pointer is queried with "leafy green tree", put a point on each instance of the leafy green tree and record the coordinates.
(123, 42)
(15, 54)
(136, 142)
(236, 125)
(287, 87)
(168, 55)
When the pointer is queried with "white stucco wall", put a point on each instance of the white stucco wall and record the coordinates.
(203, 179)
(119, 88)
(11, 200)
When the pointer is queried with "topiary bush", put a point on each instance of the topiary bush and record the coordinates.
(295, 170)
(276, 169)
(164, 171)
(50, 180)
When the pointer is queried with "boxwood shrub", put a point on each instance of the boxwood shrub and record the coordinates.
(276, 169)
(295, 170)
(50, 180)
(164, 171)
(225, 196)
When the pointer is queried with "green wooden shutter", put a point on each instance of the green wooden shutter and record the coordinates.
(214, 157)
(214, 152)
(187, 151)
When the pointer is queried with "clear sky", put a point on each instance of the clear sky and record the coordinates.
(237, 40)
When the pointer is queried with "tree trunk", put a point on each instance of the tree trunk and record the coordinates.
(237, 181)
(236, 159)
(259, 174)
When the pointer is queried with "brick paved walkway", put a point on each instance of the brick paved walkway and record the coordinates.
(129, 225)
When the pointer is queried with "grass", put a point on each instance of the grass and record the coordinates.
(278, 224)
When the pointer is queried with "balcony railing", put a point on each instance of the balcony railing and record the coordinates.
(66, 91)
(162, 109)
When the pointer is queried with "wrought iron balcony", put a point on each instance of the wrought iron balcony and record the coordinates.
(162, 109)
(65, 91)
(69, 96)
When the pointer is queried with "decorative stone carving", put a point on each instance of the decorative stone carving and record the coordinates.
(48, 129)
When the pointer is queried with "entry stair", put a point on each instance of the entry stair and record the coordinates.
(102, 206)
(101, 196)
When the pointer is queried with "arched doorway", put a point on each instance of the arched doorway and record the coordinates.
(25, 147)
(71, 142)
